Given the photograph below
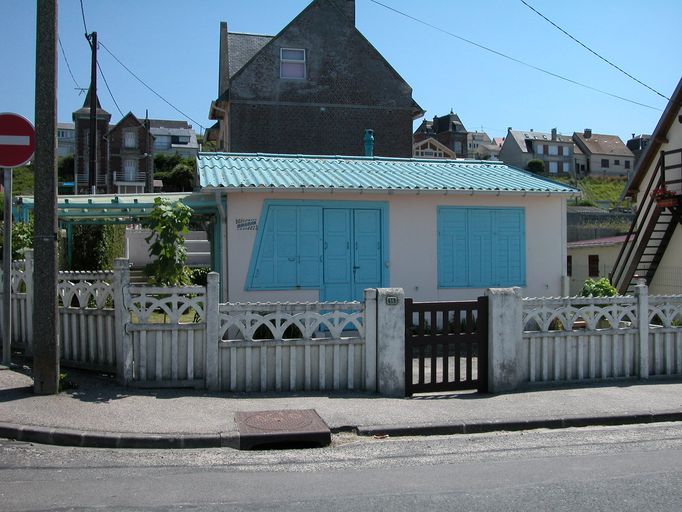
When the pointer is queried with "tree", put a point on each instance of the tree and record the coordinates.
(168, 222)
(536, 166)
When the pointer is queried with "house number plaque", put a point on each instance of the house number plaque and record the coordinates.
(392, 300)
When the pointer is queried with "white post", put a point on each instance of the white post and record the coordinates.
(507, 357)
(7, 272)
(391, 342)
(28, 278)
(642, 294)
(212, 331)
(124, 353)
(370, 339)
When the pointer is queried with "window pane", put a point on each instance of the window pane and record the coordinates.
(293, 70)
(293, 54)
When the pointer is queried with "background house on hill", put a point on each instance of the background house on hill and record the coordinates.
(311, 89)
(604, 154)
(555, 150)
(637, 144)
(329, 227)
(448, 130)
(431, 148)
(173, 137)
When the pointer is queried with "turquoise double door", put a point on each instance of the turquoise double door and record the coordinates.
(352, 253)
(338, 250)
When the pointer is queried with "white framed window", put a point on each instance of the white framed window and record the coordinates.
(130, 139)
(130, 169)
(553, 167)
(162, 142)
(538, 149)
(567, 167)
(553, 150)
(292, 63)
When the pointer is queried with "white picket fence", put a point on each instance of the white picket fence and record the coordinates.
(588, 339)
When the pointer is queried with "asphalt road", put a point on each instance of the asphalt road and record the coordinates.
(611, 468)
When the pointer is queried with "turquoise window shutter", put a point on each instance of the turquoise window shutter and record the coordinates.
(481, 247)
(309, 246)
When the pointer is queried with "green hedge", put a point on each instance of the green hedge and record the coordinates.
(96, 247)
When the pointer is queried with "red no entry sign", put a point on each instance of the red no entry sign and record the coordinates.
(17, 140)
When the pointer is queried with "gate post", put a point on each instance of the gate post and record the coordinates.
(507, 358)
(370, 339)
(391, 342)
(642, 294)
(124, 357)
(212, 332)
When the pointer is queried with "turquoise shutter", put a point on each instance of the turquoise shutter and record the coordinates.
(452, 247)
(510, 248)
(337, 255)
(286, 245)
(480, 241)
(309, 246)
(264, 270)
(367, 251)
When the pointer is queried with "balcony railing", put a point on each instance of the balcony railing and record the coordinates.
(83, 179)
(124, 176)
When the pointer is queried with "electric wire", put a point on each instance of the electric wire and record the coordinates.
(67, 63)
(591, 50)
(148, 87)
(85, 27)
(513, 59)
(108, 88)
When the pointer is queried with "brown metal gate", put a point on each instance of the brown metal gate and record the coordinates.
(446, 346)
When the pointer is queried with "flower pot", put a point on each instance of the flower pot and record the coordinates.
(666, 202)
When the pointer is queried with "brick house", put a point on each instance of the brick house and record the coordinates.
(131, 161)
(311, 89)
(81, 119)
(448, 130)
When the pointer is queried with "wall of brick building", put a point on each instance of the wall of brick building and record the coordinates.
(349, 87)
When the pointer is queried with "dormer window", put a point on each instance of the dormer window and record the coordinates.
(292, 63)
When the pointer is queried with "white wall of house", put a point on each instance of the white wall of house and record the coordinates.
(580, 264)
(412, 253)
(668, 278)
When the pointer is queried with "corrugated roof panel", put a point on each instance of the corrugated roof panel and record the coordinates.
(231, 170)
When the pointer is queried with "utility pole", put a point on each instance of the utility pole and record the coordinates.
(92, 170)
(46, 339)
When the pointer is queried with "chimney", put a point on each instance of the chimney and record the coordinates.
(531, 129)
(509, 128)
(587, 133)
(347, 7)
(223, 60)
(633, 135)
(553, 133)
(369, 142)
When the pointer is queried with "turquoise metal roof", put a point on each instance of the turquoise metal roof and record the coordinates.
(261, 171)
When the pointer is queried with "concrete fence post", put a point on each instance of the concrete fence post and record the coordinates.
(28, 277)
(390, 305)
(642, 294)
(212, 331)
(371, 339)
(507, 356)
(124, 351)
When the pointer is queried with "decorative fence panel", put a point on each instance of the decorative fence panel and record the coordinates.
(87, 336)
(164, 337)
(579, 339)
(292, 347)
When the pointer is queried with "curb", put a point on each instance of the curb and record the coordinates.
(517, 425)
(66, 437)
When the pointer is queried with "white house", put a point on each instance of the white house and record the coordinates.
(309, 228)
(653, 249)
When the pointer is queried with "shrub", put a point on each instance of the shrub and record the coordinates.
(598, 288)
(536, 166)
(96, 247)
(199, 275)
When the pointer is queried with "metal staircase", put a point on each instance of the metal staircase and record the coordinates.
(652, 228)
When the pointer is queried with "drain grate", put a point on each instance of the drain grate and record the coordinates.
(281, 429)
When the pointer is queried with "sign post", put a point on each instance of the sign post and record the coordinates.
(17, 144)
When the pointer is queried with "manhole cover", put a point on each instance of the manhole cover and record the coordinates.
(279, 428)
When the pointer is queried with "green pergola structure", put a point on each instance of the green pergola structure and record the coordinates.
(129, 209)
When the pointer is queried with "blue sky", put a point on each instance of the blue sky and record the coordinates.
(173, 46)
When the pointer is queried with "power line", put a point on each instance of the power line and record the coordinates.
(148, 87)
(513, 59)
(85, 27)
(108, 89)
(591, 50)
(67, 63)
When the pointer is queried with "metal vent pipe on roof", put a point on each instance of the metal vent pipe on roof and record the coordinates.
(369, 142)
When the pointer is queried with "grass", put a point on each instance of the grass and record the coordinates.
(598, 189)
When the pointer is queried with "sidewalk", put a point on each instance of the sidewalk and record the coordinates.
(101, 413)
